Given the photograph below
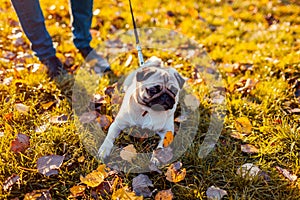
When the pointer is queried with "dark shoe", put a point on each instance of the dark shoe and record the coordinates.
(55, 67)
(96, 61)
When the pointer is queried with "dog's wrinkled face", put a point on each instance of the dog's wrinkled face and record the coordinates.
(158, 88)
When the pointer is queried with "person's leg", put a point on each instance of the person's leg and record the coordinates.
(33, 24)
(81, 18)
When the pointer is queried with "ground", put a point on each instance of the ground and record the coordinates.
(254, 45)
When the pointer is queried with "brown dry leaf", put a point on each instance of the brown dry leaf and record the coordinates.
(96, 177)
(10, 181)
(128, 153)
(116, 99)
(287, 174)
(164, 195)
(248, 170)
(61, 119)
(22, 108)
(77, 190)
(181, 118)
(247, 85)
(249, 148)
(38, 194)
(191, 101)
(215, 193)
(125, 194)
(295, 110)
(174, 173)
(243, 125)
(104, 121)
(163, 155)
(20, 144)
(48, 165)
(88, 117)
(237, 135)
(141, 184)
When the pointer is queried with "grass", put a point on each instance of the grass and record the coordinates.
(238, 36)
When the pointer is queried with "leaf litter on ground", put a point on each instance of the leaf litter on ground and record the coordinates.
(49, 165)
(20, 143)
(141, 184)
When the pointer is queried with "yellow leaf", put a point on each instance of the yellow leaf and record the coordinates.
(243, 125)
(81, 159)
(96, 177)
(168, 138)
(77, 190)
(46, 106)
(128, 153)
(164, 195)
(125, 194)
(174, 173)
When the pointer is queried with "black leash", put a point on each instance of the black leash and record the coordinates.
(138, 47)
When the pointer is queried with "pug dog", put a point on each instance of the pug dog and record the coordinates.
(150, 101)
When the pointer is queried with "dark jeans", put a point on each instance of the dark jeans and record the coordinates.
(33, 24)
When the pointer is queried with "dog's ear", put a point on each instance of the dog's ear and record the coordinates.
(144, 74)
(179, 79)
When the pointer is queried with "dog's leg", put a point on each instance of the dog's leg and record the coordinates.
(113, 132)
(162, 135)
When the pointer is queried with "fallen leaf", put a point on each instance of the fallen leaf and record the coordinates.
(20, 144)
(81, 159)
(215, 193)
(77, 190)
(163, 155)
(104, 121)
(248, 170)
(125, 194)
(237, 135)
(295, 110)
(141, 184)
(47, 105)
(128, 153)
(191, 101)
(38, 194)
(61, 119)
(48, 165)
(88, 117)
(22, 108)
(8, 116)
(168, 138)
(174, 173)
(248, 148)
(287, 174)
(10, 181)
(128, 61)
(116, 99)
(96, 177)
(181, 118)
(164, 195)
(243, 125)
(41, 128)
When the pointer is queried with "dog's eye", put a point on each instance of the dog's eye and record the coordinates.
(174, 90)
(154, 90)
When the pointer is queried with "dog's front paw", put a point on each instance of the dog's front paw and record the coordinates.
(105, 150)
